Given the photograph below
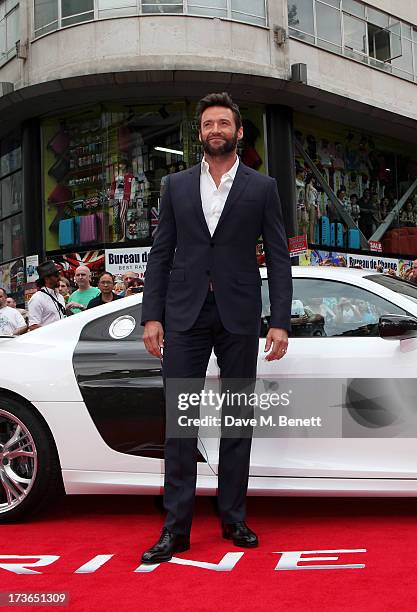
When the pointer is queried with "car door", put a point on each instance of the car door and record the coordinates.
(335, 336)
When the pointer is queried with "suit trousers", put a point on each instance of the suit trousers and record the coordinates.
(186, 355)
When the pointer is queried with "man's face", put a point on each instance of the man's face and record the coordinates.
(218, 133)
(414, 269)
(129, 276)
(105, 284)
(3, 299)
(53, 280)
(82, 278)
(10, 302)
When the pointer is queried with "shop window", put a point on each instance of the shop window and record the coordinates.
(11, 195)
(76, 11)
(10, 154)
(46, 16)
(11, 238)
(301, 19)
(162, 6)
(328, 26)
(9, 29)
(322, 308)
(209, 8)
(104, 172)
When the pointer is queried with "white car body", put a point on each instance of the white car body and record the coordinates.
(39, 368)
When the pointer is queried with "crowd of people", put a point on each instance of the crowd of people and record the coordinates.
(369, 211)
(56, 299)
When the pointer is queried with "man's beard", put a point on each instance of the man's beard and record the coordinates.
(228, 146)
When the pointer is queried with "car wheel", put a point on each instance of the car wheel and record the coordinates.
(30, 474)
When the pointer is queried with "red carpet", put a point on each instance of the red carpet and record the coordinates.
(79, 528)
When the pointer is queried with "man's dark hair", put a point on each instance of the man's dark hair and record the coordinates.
(218, 99)
(105, 274)
(4, 291)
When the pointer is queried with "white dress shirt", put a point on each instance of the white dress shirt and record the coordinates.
(213, 199)
(42, 308)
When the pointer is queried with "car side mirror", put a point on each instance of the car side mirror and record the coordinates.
(397, 327)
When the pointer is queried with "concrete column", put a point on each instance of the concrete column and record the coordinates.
(281, 161)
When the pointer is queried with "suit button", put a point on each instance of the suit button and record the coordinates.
(208, 272)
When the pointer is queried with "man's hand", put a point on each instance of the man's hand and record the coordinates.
(153, 337)
(75, 305)
(278, 339)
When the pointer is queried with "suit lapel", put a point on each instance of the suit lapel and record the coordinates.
(196, 196)
(239, 184)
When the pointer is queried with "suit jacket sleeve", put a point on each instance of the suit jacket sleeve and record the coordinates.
(277, 260)
(160, 262)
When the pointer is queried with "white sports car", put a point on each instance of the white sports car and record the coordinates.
(82, 403)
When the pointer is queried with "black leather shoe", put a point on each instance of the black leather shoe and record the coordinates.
(168, 544)
(240, 534)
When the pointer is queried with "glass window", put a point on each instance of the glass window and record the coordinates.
(355, 34)
(116, 8)
(335, 309)
(9, 30)
(11, 238)
(10, 154)
(354, 8)
(301, 16)
(46, 16)
(378, 18)
(406, 30)
(251, 11)
(11, 194)
(162, 6)
(335, 3)
(328, 23)
(405, 61)
(74, 7)
(210, 8)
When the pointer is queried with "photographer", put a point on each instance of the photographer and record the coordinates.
(134, 286)
(105, 284)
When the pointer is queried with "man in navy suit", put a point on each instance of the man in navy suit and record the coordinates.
(203, 292)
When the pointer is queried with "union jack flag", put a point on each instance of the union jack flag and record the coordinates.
(154, 220)
(92, 259)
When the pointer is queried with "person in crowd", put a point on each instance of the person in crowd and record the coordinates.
(365, 313)
(47, 304)
(383, 209)
(412, 273)
(344, 200)
(346, 311)
(11, 302)
(134, 286)
(64, 288)
(80, 298)
(367, 212)
(105, 284)
(355, 208)
(119, 289)
(127, 278)
(11, 321)
(408, 216)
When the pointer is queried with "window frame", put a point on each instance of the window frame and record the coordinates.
(12, 52)
(407, 31)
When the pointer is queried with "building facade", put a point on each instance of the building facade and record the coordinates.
(97, 108)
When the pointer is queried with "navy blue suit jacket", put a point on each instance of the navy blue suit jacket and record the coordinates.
(185, 257)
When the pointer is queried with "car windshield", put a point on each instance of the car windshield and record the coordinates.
(395, 284)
